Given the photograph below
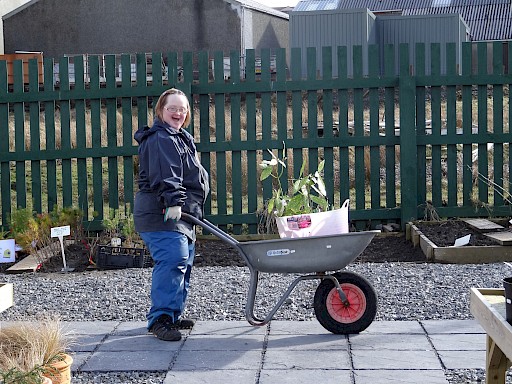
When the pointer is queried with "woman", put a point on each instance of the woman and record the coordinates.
(171, 180)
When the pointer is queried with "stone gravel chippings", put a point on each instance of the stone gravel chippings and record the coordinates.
(406, 291)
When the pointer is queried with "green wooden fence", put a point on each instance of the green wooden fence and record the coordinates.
(391, 143)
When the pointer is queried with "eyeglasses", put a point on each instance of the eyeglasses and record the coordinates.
(177, 109)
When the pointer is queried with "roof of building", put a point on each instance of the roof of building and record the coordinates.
(487, 19)
(244, 3)
(250, 4)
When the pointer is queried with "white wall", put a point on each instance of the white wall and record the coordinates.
(7, 6)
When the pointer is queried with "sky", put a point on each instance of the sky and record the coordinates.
(278, 3)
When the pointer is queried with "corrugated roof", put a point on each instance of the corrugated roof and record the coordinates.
(316, 5)
(487, 19)
(260, 7)
(486, 22)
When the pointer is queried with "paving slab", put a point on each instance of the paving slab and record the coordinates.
(459, 342)
(79, 358)
(463, 359)
(401, 327)
(287, 327)
(392, 360)
(452, 326)
(304, 376)
(86, 343)
(211, 376)
(288, 342)
(129, 361)
(134, 343)
(224, 342)
(91, 327)
(208, 360)
(435, 376)
(227, 328)
(285, 359)
(131, 328)
(398, 342)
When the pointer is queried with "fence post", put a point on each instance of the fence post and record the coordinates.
(408, 151)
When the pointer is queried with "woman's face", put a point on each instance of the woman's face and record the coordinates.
(175, 110)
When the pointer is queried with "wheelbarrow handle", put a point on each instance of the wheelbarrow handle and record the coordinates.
(211, 228)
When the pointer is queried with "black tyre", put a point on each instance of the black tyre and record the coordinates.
(353, 317)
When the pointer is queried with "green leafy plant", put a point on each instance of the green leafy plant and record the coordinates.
(17, 376)
(307, 193)
(120, 223)
(3, 233)
(32, 231)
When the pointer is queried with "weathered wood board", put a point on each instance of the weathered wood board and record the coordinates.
(483, 225)
(503, 238)
(27, 264)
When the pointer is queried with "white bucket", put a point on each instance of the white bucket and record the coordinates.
(314, 224)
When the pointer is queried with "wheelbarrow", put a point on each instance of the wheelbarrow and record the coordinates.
(344, 302)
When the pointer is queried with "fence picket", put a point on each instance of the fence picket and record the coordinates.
(483, 190)
(252, 159)
(96, 129)
(467, 126)
(343, 126)
(436, 126)
(392, 140)
(497, 126)
(35, 137)
(5, 168)
(451, 128)
(81, 134)
(19, 135)
(220, 138)
(65, 132)
(238, 181)
(328, 124)
(50, 145)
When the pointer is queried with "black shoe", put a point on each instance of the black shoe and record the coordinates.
(165, 329)
(185, 323)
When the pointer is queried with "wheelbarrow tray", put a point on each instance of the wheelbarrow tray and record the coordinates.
(306, 254)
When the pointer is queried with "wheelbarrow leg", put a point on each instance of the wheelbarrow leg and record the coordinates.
(249, 307)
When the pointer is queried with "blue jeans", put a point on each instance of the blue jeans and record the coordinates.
(173, 255)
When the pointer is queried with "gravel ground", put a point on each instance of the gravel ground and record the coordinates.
(407, 291)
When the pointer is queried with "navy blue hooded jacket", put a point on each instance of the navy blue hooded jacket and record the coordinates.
(170, 174)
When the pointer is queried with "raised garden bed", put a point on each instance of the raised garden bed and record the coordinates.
(437, 239)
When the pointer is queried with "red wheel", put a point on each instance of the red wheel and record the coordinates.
(346, 313)
(354, 316)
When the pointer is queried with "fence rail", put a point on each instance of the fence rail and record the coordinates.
(396, 141)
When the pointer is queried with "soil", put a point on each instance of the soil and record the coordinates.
(444, 234)
(385, 247)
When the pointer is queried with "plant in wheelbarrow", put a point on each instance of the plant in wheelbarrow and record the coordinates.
(303, 209)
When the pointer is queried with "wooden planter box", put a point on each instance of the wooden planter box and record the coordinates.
(458, 255)
(6, 296)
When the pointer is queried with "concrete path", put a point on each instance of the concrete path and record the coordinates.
(284, 351)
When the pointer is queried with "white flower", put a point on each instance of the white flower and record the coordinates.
(268, 163)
